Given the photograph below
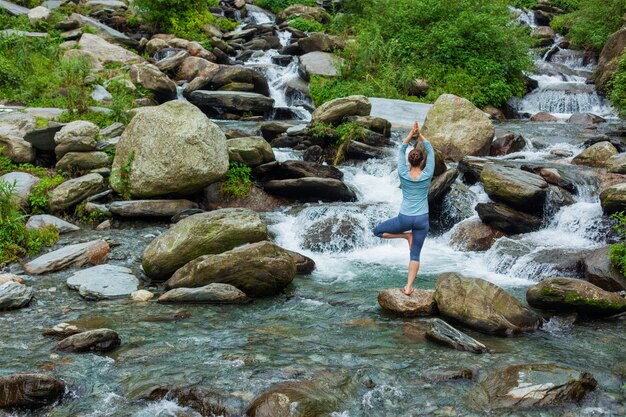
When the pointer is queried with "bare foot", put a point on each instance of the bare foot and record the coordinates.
(409, 238)
(408, 291)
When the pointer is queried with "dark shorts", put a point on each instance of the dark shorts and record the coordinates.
(418, 225)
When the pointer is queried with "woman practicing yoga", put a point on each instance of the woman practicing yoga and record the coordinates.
(412, 222)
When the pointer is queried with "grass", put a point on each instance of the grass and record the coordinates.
(122, 180)
(277, 6)
(238, 181)
(306, 25)
(617, 253)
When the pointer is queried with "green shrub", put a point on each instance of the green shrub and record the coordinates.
(122, 180)
(38, 198)
(91, 217)
(73, 72)
(617, 253)
(238, 181)
(306, 25)
(277, 6)
(347, 133)
(617, 87)
(184, 18)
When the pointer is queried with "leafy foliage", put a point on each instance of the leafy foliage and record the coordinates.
(471, 48)
(277, 6)
(618, 250)
(306, 25)
(324, 131)
(347, 133)
(38, 198)
(73, 72)
(238, 181)
(617, 87)
(124, 177)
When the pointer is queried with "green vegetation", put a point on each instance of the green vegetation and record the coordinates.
(277, 6)
(324, 131)
(590, 22)
(85, 216)
(73, 73)
(306, 25)
(347, 133)
(471, 48)
(618, 250)
(238, 181)
(617, 87)
(38, 199)
(124, 177)
(15, 240)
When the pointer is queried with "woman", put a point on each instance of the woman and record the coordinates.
(412, 222)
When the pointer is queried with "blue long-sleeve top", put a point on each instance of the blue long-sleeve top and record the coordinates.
(415, 192)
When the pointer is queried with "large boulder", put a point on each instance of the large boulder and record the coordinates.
(321, 63)
(159, 155)
(507, 220)
(505, 143)
(334, 111)
(518, 189)
(533, 385)
(209, 294)
(474, 235)
(482, 305)
(201, 234)
(94, 253)
(23, 184)
(237, 74)
(72, 192)
(609, 58)
(600, 271)
(311, 189)
(616, 163)
(14, 295)
(78, 136)
(570, 294)
(252, 151)
(150, 77)
(29, 391)
(107, 52)
(40, 221)
(103, 282)
(420, 303)
(458, 128)
(215, 103)
(150, 208)
(98, 340)
(585, 119)
(258, 269)
(613, 198)
(15, 147)
(596, 155)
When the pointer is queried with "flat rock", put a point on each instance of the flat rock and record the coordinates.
(29, 391)
(321, 63)
(103, 282)
(150, 208)
(518, 189)
(302, 169)
(94, 252)
(110, 34)
(231, 101)
(507, 220)
(43, 220)
(42, 138)
(334, 111)
(85, 161)
(99, 340)
(444, 334)
(104, 51)
(311, 189)
(14, 295)
(209, 294)
(420, 303)
(13, 9)
(74, 191)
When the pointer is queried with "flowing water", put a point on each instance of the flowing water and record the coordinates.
(326, 322)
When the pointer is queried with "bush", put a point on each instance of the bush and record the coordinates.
(306, 25)
(617, 87)
(38, 198)
(347, 133)
(238, 181)
(184, 18)
(617, 253)
(73, 73)
(277, 6)
(471, 48)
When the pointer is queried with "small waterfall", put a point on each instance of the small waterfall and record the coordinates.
(259, 16)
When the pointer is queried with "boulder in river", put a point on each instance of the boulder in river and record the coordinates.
(302, 169)
(505, 143)
(215, 293)
(533, 385)
(151, 78)
(94, 252)
(441, 184)
(457, 128)
(159, 155)
(29, 391)
(201, 234)
(444, 334)
(600, 271)
(596, 155)
(570, 294)
(420, 303)
(71, 192)
(99, 340)
(251, 151)
(311, 189)
(337, 233)
(103, 282)
(14, 295)
(507, 220)
(585, 119)
(214, 103)
(544, 117)
(334, 111)
(616, 163)
(518, 189)
(304, 264)
(259, 269)
(150, 208)
(613, 198)
(474, 235)
(482, 305)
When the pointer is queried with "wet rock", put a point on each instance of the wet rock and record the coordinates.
(534, 385)
(444, 334)
(258, 200)
(141, 295)
(304, 264)
(252, 151)
(437, 375)
(570, 294)
(106, 52)
(4, 278)
(557, 261)
(151, 78)
(171, 64)
(323, 64)
(304, 169)
(23, 184)
(609, 59)
(339, 233)
(193, 67)
(543, 117)
(553, 176)
(205, 401)
(334, 111)
(270, 130)
(165, 156)
(150, 208)
(237, 74)
(311, 189)
(266, 271)
(99, 340)
(518, 189)
(74, 191)
(616, 163)
(14, 295)
(94, 253)
(83, 161)
(61, 330)
(507, 220)
(440, 186)
(474, 235)
(15, 147)
(209, 294)
(30, 391)
(595, 155)
(613, 198)
(482, 305)
(544, 34)
(361, 151)
(600, 271)
(506, 143)
(585, 119)
(457, 128)
(44, 220)
(78, 136)
(216, 102)
(103, 282)
(420, 303)
(201, 234)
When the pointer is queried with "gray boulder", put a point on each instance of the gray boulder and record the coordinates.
(15, 147)
(99, 340)
(600, 271)
(613, 198)
(505, 143)
(104, 51)
(311, 189)
(420, 303)
(44, 220)
(474, 235)
(150, 208)
(151, 78)
(303, 169)
(518, 189)
(214, 102)
(23, 183)
(159, 155)
(251, 151)
(321, 63)
(94, 252)
(71, 192)
(585, 119)
(334, 111)
(616, 163)
(507, 220)
(209, 294)
(29, 391)
(596, 155)
(83, 161)
(201, 234)
(444, 334)
(14, 295)
(78, 136)
(266, 271)
(103, 282)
